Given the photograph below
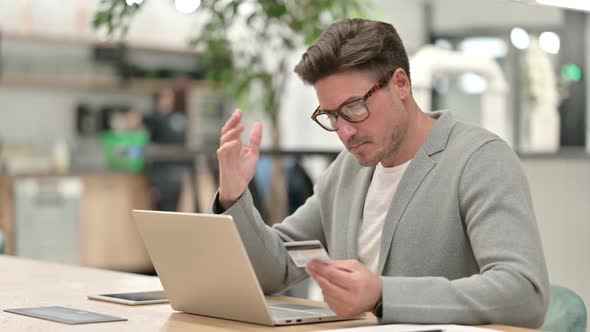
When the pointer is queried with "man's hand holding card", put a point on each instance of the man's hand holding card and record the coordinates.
(303, 252)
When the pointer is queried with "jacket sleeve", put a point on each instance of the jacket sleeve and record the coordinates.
(273, 267)
(512, 285)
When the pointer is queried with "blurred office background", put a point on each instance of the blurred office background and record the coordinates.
(76, 154)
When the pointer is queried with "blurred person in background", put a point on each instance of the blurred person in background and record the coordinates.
(166, 125)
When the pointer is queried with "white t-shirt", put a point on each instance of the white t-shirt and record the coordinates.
(379, 196)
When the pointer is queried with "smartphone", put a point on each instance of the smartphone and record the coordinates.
(135, 298)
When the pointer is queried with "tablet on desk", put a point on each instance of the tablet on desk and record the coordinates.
(65, 315)
(135, 298)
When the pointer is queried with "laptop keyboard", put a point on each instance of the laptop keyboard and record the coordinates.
(295, 311)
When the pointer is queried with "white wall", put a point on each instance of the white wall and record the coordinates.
(459, 16)
(157, 23)
(42, 116)
(587, 64)
(408, 19)
(561, 190)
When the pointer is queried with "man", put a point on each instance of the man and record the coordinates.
(427, 219)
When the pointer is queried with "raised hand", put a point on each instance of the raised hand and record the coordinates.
(237, 163)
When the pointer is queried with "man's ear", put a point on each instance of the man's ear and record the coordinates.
(401, 82)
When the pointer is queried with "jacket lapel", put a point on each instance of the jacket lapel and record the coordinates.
(355, 214)
(417, 170)
(419, 167)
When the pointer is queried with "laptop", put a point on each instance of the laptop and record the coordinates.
(205, 270)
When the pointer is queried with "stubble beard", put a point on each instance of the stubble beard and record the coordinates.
(398, 135)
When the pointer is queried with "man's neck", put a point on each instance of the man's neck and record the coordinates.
(419, 127)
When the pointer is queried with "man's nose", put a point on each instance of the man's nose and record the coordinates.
(345, 129)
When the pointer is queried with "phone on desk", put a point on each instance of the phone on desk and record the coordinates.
(135, 298)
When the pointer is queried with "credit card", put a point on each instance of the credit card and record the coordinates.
(303, 252)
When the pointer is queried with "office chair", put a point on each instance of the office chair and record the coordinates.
(566, 312)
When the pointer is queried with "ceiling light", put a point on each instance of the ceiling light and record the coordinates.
(187, 6)
(484, 47)
(519, 38)
(246, 8)
(549, 42)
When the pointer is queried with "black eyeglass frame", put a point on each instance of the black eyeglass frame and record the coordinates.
(338, 112)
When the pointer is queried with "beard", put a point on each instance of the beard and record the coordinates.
(395, 140)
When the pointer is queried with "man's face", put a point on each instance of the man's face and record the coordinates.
(379, 136)
(166, 101)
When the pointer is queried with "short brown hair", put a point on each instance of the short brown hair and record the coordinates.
(354, 44)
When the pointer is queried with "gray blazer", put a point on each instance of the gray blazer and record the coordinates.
(459, 245)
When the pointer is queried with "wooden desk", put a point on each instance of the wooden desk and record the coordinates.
(28, 283)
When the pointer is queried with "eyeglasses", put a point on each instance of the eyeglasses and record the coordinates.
(354, 111)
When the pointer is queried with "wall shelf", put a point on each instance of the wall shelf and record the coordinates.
(89, 65)
(19, 80)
